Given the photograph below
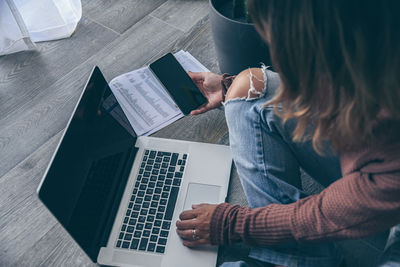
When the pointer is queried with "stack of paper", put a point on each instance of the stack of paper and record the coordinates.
(144, 100)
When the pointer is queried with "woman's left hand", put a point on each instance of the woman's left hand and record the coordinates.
(194, 225)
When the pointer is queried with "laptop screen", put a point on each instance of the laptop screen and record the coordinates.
(82, 183)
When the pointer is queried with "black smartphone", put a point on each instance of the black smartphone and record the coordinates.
(178, 83)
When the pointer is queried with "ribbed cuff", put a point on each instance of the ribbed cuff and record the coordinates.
(217, 224)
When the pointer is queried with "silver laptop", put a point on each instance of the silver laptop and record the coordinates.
(119, 195)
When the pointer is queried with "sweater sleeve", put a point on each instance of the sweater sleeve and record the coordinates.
(355, 206)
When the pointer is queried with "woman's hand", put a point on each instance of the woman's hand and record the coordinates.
(210, 85)
(194, 225)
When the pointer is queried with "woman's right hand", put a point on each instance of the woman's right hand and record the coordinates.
(210, 85)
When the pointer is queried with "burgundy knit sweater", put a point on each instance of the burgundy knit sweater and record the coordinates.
(364, 201)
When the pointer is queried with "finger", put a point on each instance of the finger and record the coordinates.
(197, 206)
(195, 243)
(196, 76)
(186, 234)
(185, 225)
(202, 109)
(187, 215)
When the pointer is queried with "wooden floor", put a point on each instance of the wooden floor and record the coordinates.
(39, 89)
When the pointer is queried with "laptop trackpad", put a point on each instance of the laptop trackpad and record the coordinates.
(201, 193)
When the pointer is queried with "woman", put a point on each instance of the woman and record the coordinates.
(332, 109)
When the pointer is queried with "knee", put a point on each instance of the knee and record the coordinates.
(241, 85)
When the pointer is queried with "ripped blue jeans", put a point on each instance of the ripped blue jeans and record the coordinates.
(268, 163)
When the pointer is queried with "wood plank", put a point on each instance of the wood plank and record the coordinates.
(182, 14)
(200, 44)
(24, 220)
(24, 75)
(119, 15)
(47, 112)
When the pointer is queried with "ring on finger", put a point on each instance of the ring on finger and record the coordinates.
(195, 236)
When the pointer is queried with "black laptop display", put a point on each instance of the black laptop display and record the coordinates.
(85, 182)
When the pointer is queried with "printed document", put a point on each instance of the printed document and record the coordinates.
(143, 99)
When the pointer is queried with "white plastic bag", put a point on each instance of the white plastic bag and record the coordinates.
(25, 21)
(14, 36)
(50, 19)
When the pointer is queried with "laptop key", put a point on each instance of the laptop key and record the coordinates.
(145, 180)
(164, 233)
(139, 226)
(151, 247)
(161, 177)
(164, 195)
(160, 249)
(155, 230)
(141, 193)
(178, 174)
(152, 185)
(134, 243)
(146, 174)
(148, 225)
(147, 198)
(171, 203)
(152, 154)
(168, 181)
(150, 218)
(128, 237)
(146, 152)
(135, 214)
(153, 178)
(163, 201)
(150, 161)
(125, 244)
(166, 225)
(142, 219)
(184, 156)
(177, 182)
(166, 188)
(159, 216)
(119, 243)
(157, 190)
(130, 229)
(174, 158)
(163, 171)
(149, 191)
(132, 221)
(143, 243)
(123, 227)
(126, 219)
(157, 223)
(156, 165)
(146, 205)
(146, 233)
(121, 235)
(162, 241)
(164, 165)
(153, 238)
(182, 169)
(158, 159)
(136, 207)
(171, 169)
(137, 234)
(152, 211)
(161, 208)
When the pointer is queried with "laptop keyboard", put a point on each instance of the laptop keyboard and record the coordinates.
(149, 213)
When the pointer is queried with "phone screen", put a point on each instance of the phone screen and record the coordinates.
(178, 83)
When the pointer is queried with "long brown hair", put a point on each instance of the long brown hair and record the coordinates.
(339, 62)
